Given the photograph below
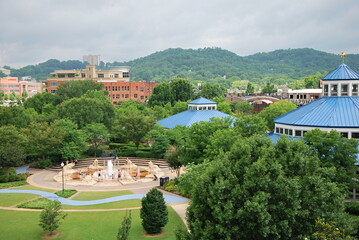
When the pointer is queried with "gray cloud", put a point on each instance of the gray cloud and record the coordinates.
(36, 30)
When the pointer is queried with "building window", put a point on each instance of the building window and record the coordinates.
(290, 132)
(291, 96)
(355, 135)
(326, 88)
(53, 84)
(298, 133)
(135, 96)
(126, 74)
(116, 75)
(142, 89)
(53, 91)
(71, 75)
(136, 88)
(344, 90)
(101, 75)
(113, 88)
(355, 90)
(126, 96)
(286, 131)
(344, 134)
(61, 75)
(117, 96)
(334, 90)
(281, 130)
(142, 97)
(83, 75)
(276, 130)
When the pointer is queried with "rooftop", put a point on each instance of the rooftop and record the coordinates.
(331, 112)
(343, 72)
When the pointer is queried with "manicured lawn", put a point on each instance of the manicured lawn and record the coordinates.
(113, 205)
(82, 196)
(10, 199)
(80, 225)
(29, 187)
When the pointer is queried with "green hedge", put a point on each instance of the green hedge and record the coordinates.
(67, 193)
(12, 184)
(13, 177)
(352, 208)
(39, 203)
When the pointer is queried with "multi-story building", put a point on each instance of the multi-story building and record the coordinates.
(12, 84)
(116, 82)
(92, 59)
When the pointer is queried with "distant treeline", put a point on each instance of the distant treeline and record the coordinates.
(214, 65)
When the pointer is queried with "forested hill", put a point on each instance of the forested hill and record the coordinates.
(210, 64)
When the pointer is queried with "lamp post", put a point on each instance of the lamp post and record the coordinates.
(63, 183)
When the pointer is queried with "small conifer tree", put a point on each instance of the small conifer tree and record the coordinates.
(124, 230)
(51, 216)
(154, 212)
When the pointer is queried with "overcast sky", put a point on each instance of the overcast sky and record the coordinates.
(33, 31)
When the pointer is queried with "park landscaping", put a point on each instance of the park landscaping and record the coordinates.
(81, 225)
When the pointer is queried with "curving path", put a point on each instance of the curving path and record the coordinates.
(169, 199)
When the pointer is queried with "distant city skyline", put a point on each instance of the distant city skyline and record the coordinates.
(35, 31)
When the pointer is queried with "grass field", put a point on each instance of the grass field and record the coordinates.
(83, 196)
(81, 225)
(10, 199)
(113, 205)
(29, 187)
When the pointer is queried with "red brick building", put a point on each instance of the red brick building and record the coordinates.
(116, 82)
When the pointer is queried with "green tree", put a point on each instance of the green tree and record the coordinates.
(335, 151)
(179, 107)
(84, 110)
(329, 231)
(132, 126)
(249, 89)
(2, 95)
(162, 94)
(268, 89)
(24, 94)
(17, 116)
(96, 134)
(275, 110)
(210, 91)
(43, 139)
(38, 101)
(251, 125)
(124, 230)
(76, 89)
(260, 191)
(154, 213)
(74, 142)
(51, 216)
(12, 151)
(182, 90)
(241, 108)
(159, 139)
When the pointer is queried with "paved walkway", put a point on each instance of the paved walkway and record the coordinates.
(44, 179)
(169, 199)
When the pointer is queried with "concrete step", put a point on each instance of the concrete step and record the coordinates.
(83, 163)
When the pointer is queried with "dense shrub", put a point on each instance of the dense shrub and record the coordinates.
(67, 193)
(4, 179)
(44, 163)
(12, 184)
(352, 208)
(170, 186)
(154, 212)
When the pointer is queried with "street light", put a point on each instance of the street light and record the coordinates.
(63, 183)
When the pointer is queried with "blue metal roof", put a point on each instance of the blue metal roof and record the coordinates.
(202, 100)
(332, 112)
(343, 72)
(275, 137)
(189, 117)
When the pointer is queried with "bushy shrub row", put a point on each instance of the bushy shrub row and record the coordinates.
(67, 193)
(352, 208)
(12, 184)
(43, 163)
(12, 177)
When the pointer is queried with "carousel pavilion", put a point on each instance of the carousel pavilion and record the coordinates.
(337, 110)
(199, 110)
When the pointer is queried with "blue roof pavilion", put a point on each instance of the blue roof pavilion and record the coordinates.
(337, 110)
(199, 110)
